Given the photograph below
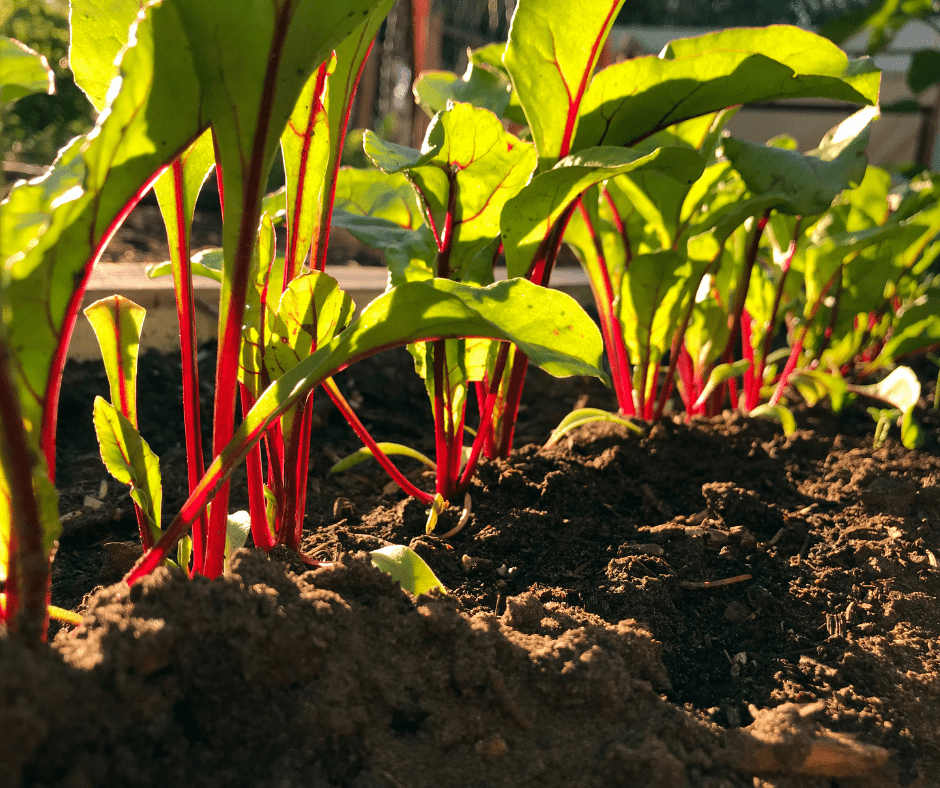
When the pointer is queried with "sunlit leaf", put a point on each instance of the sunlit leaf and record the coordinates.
(551, 59)
(22, 72)
(408, 569)
(117, 323)
(129, 459)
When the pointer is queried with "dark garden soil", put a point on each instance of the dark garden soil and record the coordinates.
(707, 604)
(579, 645)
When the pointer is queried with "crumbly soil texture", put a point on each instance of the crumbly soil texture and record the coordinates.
(711, 603)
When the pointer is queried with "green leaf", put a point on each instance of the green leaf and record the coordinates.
(720, 374)
(806, 185)
(117, 324)
(129, 459)
(475, 167)
(260, 308)
(924, 70)
(207, 263)
(390, 157)
(695, 76)
(341, 83)
(373, 193)
(306, 144)
(480, 86)
(177, 190)
(917, 329)
(528, 218)
(551, 59)
(22, 72)
(778, 413)
(408, 569)
(582, 416)
(392, 449)
(98, 31)
(52, 228)
(311, 312)
(546, 325)
(822, 384)
(913, 435)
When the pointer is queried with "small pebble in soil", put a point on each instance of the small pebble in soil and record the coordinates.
(342, 508)
(472, 566)
(735, 612)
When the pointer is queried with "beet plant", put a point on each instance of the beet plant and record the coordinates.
(692, 278)
(196, 84)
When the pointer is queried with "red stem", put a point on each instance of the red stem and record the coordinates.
(226, 379)
(28, 577)
(750, 380)
(621, 227)
(539, 273)
(798, 344)
(260, 533)
(334, 394)
(610, 324)
(303, 464)
(687, 375)
(486, 415)
(186, 316)
(293, 451)
(442, 438)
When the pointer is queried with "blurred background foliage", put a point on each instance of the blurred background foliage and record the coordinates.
(36, 127)
(735, 13)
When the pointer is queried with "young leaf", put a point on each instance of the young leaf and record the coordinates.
(912, 434)
(22, 72)
(720, 374)
(480, 86)
(207, 263)
(177, 190)
(408, 569)
(778, 413)
(311, 312)
(260, 307)
(582, 416)
(129, 459)
(916, 329)
(551, 62)
(806, 184)
(472, 168)
(363, 454)
(117, 323)
(373, 193)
